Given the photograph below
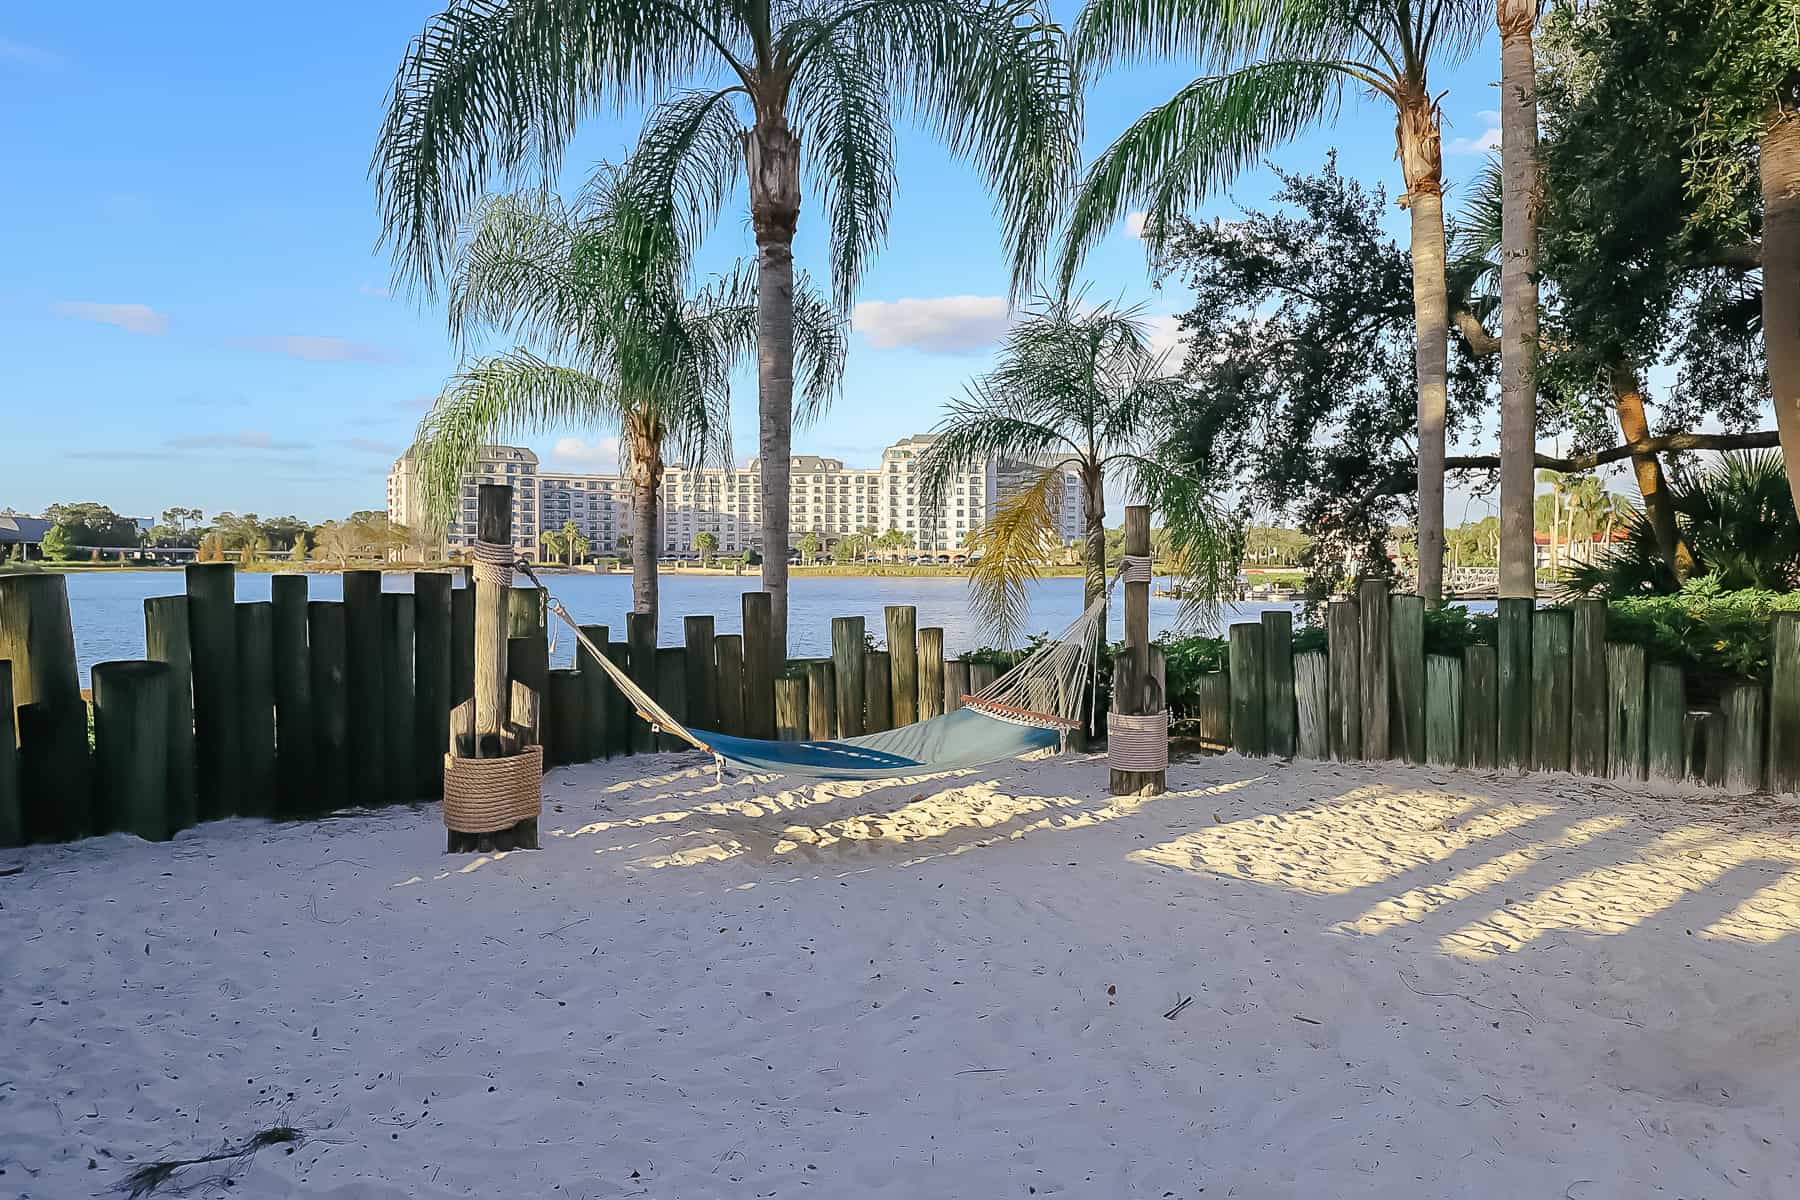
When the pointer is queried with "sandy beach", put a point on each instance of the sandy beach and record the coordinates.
(1278, 980)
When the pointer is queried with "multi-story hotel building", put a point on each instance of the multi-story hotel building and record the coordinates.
(826, 498)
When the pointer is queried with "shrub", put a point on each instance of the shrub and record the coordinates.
(1716, 636)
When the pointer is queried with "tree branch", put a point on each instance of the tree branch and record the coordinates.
(1746, 257)
(1758, 440)
(1482, 344)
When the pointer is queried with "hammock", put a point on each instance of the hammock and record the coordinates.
(1031, 707)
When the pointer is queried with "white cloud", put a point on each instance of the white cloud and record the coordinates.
(946, 324)
(574, 451)
(1134, 223)
(1166, 339)
(248, 439)
(1488, 139)
(132, 318)
(319, 349)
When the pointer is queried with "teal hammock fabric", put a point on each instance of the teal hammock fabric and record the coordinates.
(964, 738)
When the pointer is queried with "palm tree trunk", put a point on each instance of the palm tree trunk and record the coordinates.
(772, 152)
(1780, 167)
(1628, 403)
(1518, 296)
(646, 497)
(1093, 486)
(1421, 158)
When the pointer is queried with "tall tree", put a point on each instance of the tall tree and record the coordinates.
(1283, 67)
(597, 293)
(1518, 294)
(496, 85)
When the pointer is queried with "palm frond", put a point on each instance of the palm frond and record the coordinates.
(513, 271)
(1474, 267)
(1010, 552)
(982, 424)
(1111, 32)
(688, 158)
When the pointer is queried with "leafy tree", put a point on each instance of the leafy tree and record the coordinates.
(297, 552)
(89, 523)
(492, 86)
(707, 543)
(57, 545)
(555, 544)
(178, 527)
(809, 547)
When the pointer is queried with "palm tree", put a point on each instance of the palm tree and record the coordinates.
(1518, 292)
(1074, 389)
(492, 86)
(1284, 67)
(555, 543)
(601, 287)
(706, 542)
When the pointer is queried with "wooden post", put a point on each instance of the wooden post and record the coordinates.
(327, 647)
(399, 637)
(259, 794)
(36, 636)
(524, 612)
(956, 684)
(1481, 707)
(619, 715)
(640, 631)
(1249, 728)
(1702, 748)
(981, 677)
(1590, 748)
(1134, 690)
(294, 732)
(212, 638)
(1667, 704)
(596, 687)
(1343, 641)
(528, 666)
(728, 652)
(431, 678)
(1624, 717)
(462, 645)
(166, 641)
(821, 700)
(1278, 682)
(1741, 705)
(12, 812)
(847, 665)
(1551, 633)
(759, 666)
(1374, 683)
(365, 689)
(563, 734)
(931, 673)
(131, 748)
(877, 696)
(903, 662)
(1443, 707)
(492, 683)
(790, 708)
(1406, 656)
(1784, 703)
(1312, 704)
(702, 674)
(1514, 700)
(671, 692)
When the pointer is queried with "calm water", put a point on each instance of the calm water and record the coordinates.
(108, 610)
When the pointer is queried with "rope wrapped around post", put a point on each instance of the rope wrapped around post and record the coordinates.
(1136, 568)
(493, 564)
(1137, 742)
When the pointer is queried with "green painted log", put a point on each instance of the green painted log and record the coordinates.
(131, 748)
(166, 641)
(212, 639)
(821, 700)
(759, 666)
(728, 653)
(1742, 706)
(931, 673)
(1702, 746)
(671, 692)
(1551, 634)
(790, 708)
(1626, 716)
(431, 679)
(524, 611)
(563, 734)
(877, 694)
(702, 673)
(956, 684)
(328, 649)
(596, 687)
(1443, 709)
(364, 688)
(903, 663)
(1280, 735)
(55, 771)
(1212, 709)
(295, 735)
(38, 639)
(1375, 681)
(399, 640)
(1514, 699)
(1590, 699)
(1343, 640)
(1249, 708)
(620, 718)
(1312, 705)
(1406, 658)
(259, 792)
(1667, 704)
(847, 645)
(1784, 703)
(528, 663)
(462, 646)
(640, 631)
(12, 813)
(1481, 707)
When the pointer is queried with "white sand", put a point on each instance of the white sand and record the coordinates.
(1406, 983)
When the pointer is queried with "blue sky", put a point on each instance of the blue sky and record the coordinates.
(196, 313)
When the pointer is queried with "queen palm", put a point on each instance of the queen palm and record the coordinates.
(596, 293)
(497, 85)
(1282, 67)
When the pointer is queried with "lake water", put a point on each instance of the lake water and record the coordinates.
(108, 609)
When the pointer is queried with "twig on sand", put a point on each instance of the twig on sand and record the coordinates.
(560, 928)
(11, 871)
(983, 1071)
(147, 1178)
(1308, 1020)
(1515, 1007)
(1179, 1006)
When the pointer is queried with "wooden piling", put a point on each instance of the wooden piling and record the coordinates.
(327, 649)
(847, 644)
(1551, 634)
(620, 718)
(1784, 702)
(1625, 716)
(431, 679)
(1702, 748)
(1343, 640)
(12, 812)
(258, 788)
(1590, 699)
(212, 639)
(295, 735)
(1406, 657)
(1667, 705)
(821, 700)
(759, 666)
(640, 630)
(55, 771)
(790, 708)
(37, 638)
(877, 696)
(166, 641)
(702, 673)
(931, 673)
(1375, 681)
(596, 686)
(1481, 707)
(1279, 717)
(502, 703)
(671, 692)
(956, 684)
(564, 735)
(364, 685)
(462, 645)
(1249, 729)
(528, 666)
(1514, 699)
(1135, 690)
(399, 641)
(903, 663)
(728, 652)
(1742, 707)
(1312, 704)
(131, 748)
(1443, 708)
